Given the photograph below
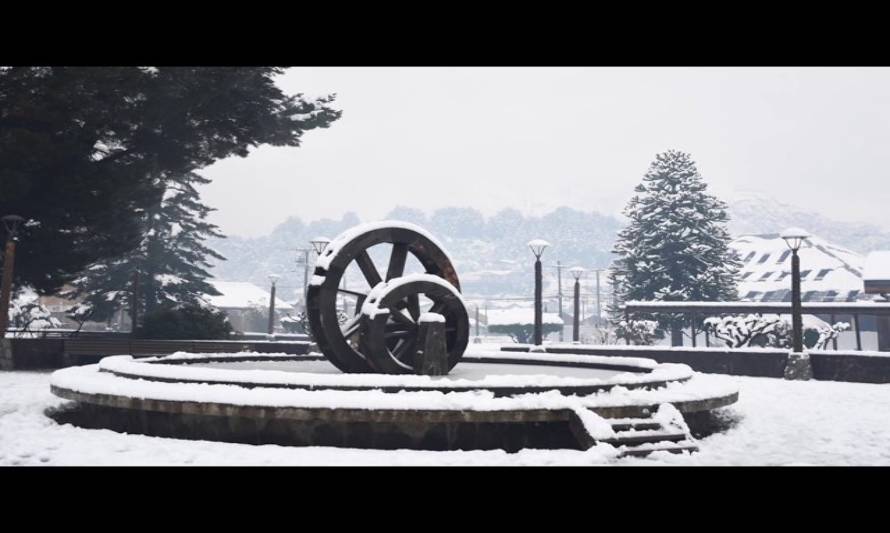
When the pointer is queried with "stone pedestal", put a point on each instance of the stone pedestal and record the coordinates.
(798, 367)
(432, 355)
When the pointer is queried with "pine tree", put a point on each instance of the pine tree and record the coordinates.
(166, 270)
(676, 246)
(85, 151)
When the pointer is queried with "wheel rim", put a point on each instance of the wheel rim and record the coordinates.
(390, 340)
(340, 344)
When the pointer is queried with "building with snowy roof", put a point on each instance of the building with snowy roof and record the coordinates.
(246, 305)
(829, 273)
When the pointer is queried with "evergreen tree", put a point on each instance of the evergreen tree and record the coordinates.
(676, 245)
(85, 151)
(168, 268)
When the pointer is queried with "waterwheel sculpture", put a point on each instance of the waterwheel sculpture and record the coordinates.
(384, 332)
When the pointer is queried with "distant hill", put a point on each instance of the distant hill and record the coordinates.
(765, 215)
(491, 253)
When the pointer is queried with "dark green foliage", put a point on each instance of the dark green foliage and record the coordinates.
(170, 261)
(676, 245)
(86, 152)
(185, 322)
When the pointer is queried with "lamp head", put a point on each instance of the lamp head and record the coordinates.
(794, 237)
(577, 272)
(538, 246)
(320, 243)
(11, 223)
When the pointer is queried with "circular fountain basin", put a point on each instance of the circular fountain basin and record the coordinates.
(491, 399)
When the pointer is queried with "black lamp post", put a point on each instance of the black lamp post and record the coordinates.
(11, 223)
(537, 247)
(577, 272)
(794, 237)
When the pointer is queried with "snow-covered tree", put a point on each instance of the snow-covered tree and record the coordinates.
(676, 245)
(166, 270)
(27, 314)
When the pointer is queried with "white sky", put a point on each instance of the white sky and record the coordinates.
(538, 138)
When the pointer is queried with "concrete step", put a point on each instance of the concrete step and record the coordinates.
(633, 438)
(643, 450)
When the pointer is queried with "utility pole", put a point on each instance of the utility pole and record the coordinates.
(305, 271)
(559, 295)
(599, 315)
(271, 330)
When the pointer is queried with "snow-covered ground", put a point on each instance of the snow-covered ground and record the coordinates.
(776, 423)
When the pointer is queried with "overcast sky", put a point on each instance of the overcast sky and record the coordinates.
(538, 138)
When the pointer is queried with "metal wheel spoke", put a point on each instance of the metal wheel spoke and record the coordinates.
(402, 349)
(369, 270)
(352, 327)
(414, 306)
(398, 316)
(357, 294)
(397, 259)
(398, 334)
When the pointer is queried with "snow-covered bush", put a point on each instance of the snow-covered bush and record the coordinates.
(27, 314)
(294, 323)
(741, 331)
(602, 336)
(185, 322)
(523, 333)
(640, 332)
(830, 333)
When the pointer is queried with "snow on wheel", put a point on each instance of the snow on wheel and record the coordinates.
(341, 343)
(391, 315)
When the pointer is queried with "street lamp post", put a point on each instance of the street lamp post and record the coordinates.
(318, 244)
(794, 237)
(577, 272)
(537, 247)
(798, 364)
(11, 223)
(273, 278)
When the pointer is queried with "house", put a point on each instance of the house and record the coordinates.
(828, 273)
(246, 305)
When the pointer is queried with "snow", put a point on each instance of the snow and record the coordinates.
(775, 422)
(793, 233)
(877, 266)
(519, 315)
(334, 247)
(242, 295)
(546, 377)
(431, 317)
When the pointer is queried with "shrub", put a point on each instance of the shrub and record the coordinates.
(186, 322)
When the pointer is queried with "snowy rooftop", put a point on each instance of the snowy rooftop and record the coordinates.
(519, 315)
(241, 295)
(877, 266)
(828, 272)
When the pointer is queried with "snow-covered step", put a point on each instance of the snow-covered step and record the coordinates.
(633, 438)
(643, 450)
(639, 424)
